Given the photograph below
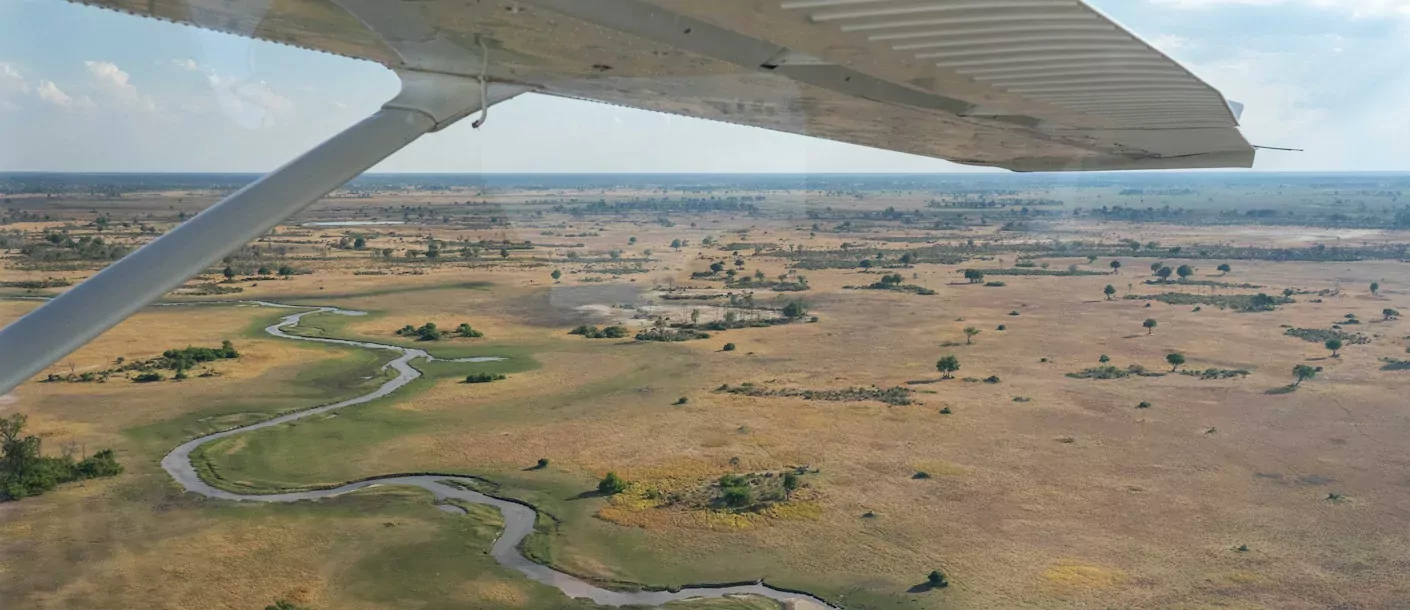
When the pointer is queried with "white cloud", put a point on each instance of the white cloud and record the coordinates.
(11, 80)
(1357, 8)
(51, 93)
(185, 64)
(253, 103)
(115, 85)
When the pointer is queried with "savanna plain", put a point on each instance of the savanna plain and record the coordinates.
(973, 391)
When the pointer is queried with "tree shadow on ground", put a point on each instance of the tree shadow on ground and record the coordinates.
(1135, 336)
(1397, 365)
(1287, 389)
(589, 494)
(925, 587)
(925, 381)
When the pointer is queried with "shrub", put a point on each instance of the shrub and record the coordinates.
(1001, 327)
(937, 580)
(738, 496)
(995, 284)
(680, 401)
(1143, 405)
(991, 379)
(483, 377)
(946, 411)
(1013, 313)
(542, 464)
(148, 377)
(729, 347)
(611, 484)
(921, 475)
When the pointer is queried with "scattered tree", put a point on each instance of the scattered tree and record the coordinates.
(1116, 266)
(1224, 268)
(794, 310)
(1144, 405)
(947, 366)
(1388, 314)
(1104, 359)
(1184, 271)
(1109, 291)
(1301, 372)
(1164, 273)
(790, 482)
(1335, 345)
(1175, 360)
(1091, 258)
(676, 244)
(504, 252)
(556, 274)
(969, 333)
(542, 464)
(974, 275)
(937, 580)
(228, 273)
(360, 243)
(729, 347)
(1157, 266)
(1149, 325)
(1375, 288)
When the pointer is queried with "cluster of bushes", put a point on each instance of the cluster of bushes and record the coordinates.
(1030, 271)
(430, 332)
(593, 332)
(892, 396)
(1210, 283)
(894, 282)
(483, 377)
(48, 282)
(1112, 372)
(1216, 373)
(178, 360)
(24, 472)
(1242, 302)
(1319, 335)
(670, 334)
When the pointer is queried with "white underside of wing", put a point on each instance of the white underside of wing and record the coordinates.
(1029, 85)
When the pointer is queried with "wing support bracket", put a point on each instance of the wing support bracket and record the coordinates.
(427, 102)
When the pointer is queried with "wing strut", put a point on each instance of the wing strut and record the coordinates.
(427, 102)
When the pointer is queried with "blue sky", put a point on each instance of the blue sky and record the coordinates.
(83, 89)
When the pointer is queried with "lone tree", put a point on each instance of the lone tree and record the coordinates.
(1335, 345)
(1224, 268)
(228, 273)
(360, 243)
(1150, 325)
(504, 252)
(1175, 360)
(947, 366)
(611, 484)
(1184, 271)
(974, 275)
(1091, 258)
(1375, 288)
(936, 580)
(1104, 359)
(1301, 372)
(1109, 291)
(1116, 266)
(676, 244)
(794, 310)
(969, 333)
(556, 274)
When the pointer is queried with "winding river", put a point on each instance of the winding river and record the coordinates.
(518, 518)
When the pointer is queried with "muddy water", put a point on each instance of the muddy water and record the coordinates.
(518, 518)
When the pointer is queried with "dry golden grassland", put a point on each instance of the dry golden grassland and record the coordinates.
(1043, 490)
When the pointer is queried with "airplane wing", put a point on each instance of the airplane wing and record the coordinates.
(1026, 85)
